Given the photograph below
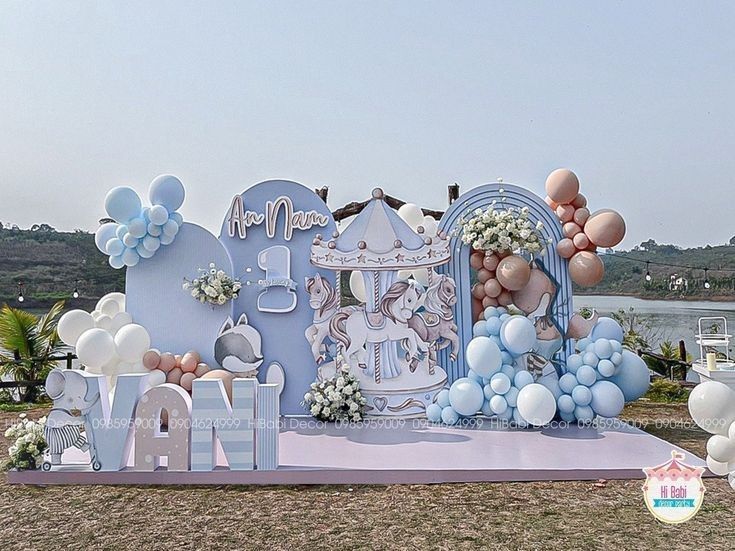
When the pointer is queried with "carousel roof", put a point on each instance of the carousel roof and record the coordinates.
(378, 239)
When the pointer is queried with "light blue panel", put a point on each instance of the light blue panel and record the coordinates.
(282, 333)
(156, 300)
(266, 440)
(459, 267)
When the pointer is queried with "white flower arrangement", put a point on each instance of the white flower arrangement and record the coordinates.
(26, 452)
(336, 399)
(499, 230)
(213, 286)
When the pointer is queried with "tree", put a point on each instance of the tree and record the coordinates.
(27, 342)
(648, 245)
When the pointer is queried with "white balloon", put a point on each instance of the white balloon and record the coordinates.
(156, 377)
(95, 348)
(104, 322)
(357, 286)
(411, 215)
(115, 367)
(431, 227)
(72, 324)
(109, 307)
(422, 276)
(712, 406)
(118, 297)
(718, 467)
(536, 404)
(96, 314)
(110, 368)
(120, 320)
(721, 448)
(93, 370)
(132, 342)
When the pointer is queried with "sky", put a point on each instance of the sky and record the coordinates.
(638, 98)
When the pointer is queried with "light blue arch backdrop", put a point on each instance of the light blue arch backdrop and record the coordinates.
(459, 266)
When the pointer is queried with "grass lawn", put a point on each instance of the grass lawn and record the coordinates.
(532, 515)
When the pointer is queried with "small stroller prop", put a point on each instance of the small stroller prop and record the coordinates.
(712, 336)
(70, 390)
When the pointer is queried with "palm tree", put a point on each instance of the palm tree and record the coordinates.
(27, 342)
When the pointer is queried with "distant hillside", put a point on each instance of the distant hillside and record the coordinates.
(51, 264)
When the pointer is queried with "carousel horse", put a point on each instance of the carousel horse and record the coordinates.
(435, 324)
(355, 330)
(324, 300)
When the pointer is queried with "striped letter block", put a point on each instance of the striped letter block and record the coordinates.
(266, 439)
(234, 425)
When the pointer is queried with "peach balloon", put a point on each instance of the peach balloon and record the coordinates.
(581, 215)
(174, 376)
(490, 262)
(478, 291)
(476, 260)
(552, 204)
(562, 186)
(477, 309)
(489, 301)
(513, 273)
(186, 380)
(167, 363)
(151, 359)
(581, 241)
(571, 229)
(178, 359)
(505, 298)
(483, 275)
(565, 212)
(201, 369)
(586, 269)
(591, 247)
(566, 248)
(605, 228)
(225, 376)
(503, 254)
(579, 201)
(189, 361)
(493, 288)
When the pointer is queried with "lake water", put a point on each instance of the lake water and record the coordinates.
(672, 320)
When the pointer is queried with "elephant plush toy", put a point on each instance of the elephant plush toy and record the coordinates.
(74, 392)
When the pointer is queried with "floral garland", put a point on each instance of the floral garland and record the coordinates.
(336, 399)
(508, 230)
(27, 450)
(213, 286)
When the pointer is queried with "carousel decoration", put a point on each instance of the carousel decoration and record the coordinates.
(390, 342)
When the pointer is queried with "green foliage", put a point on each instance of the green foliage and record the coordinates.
(665, 391)
(27, 342)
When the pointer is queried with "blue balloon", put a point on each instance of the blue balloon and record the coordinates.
(511, 397)
(158, 215)
(167, 190)
(475, 377)
(567, 382)
(607, 328)
(493, 326)
(176, 217)
(582, 344)
(434, 413)
(551, 382)
(137, 227)
(502, 310)
(603, 349)
(151, 243)
(566, 404)
(581, 395)
(449, 416)
(166, 239)
(617, 346)
(116, 262)
(145, 214)
(122, 229)
(154, 229)
(508, 370)
(590, 358)
(122, 204)
(129, 241)
(607, 399)
(103, 234)
(518, 335)
(507, 415)
(486, 409)
(616, 358)
(143, 252)
(466, 396)
(586, 375)
(504, 316)
(606, 368)
(632, 377)
(522, 378)
(498, 404)
(130, 258)
(491, 312)
(500, 383)
(574, 362)
(506, 357)
(170, 228)
(483, 356)
(479, 329)
(518, 419)
(442, 398)
(488, 391)
(115, 247)
(567, 417)
(584, 414)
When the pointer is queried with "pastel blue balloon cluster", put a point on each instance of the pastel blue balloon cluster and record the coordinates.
(493, 383)
(601, 376)
(138, 232)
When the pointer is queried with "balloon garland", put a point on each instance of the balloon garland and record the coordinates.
(138, 232)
